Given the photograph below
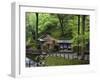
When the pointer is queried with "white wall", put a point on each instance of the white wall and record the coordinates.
(5, 40)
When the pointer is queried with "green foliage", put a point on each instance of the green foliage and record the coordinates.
(30, 27)
(59, 26)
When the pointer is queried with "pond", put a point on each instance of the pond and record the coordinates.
(30, 63)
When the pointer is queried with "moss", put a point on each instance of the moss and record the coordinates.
(53, 61)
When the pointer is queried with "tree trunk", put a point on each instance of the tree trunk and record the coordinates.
(61, 24)
(83, 33)
(36, 27)
(78, 34)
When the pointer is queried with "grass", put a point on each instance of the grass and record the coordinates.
(54, 61)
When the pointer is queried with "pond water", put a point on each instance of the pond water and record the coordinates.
(30, 63)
